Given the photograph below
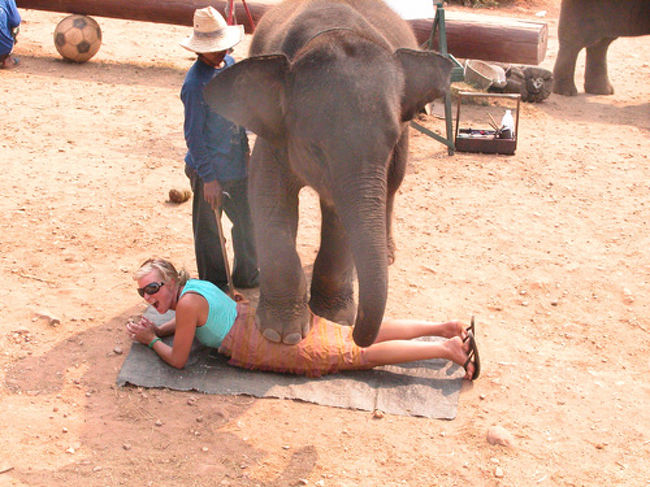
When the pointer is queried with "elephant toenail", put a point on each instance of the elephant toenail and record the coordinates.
(292, 338)
(271, 335)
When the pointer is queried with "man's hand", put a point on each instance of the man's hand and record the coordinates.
(212, 193)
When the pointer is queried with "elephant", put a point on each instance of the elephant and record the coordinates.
(329, 89)
(594, 24)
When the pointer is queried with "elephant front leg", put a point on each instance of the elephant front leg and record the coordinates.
(596, 79)
(332, 294)
(564, 70)
(282, 313)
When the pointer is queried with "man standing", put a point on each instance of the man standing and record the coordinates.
(217, 157)
(9, 22)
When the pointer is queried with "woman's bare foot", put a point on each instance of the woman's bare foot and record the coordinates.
(452, 329)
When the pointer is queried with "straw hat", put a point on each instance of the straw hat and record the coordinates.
(212, 33)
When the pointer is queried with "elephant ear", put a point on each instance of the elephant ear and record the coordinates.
(426, 77)
(250, 93)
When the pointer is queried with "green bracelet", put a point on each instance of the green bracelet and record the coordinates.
(152, 342)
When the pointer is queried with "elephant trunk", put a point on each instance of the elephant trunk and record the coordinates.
(364, 218)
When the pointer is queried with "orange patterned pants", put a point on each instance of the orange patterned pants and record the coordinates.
(327, 348)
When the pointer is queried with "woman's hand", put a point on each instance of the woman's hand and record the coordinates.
(143, 331)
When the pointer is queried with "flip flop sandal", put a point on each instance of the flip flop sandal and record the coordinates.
(470, 329)
(473, 357)
(10, 62)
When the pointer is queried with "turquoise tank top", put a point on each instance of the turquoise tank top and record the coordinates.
(221, 315)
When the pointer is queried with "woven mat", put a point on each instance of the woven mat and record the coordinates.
(427, 388)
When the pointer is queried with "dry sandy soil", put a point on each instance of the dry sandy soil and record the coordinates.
(548, 248)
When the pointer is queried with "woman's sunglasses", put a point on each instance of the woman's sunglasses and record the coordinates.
(150, 289)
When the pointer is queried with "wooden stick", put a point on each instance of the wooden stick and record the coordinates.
(224, 253)
(493, 123)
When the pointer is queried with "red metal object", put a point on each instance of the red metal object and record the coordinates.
(231, 14)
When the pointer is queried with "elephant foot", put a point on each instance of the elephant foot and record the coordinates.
(278, 327)
(565, 87)
(599, 88)
(341, 309)
(273, 336)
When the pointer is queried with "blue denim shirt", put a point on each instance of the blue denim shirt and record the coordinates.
(9, 18)
(217, 148)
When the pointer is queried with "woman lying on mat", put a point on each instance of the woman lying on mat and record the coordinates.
(203, 310)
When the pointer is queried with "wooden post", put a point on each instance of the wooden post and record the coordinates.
(468, 35)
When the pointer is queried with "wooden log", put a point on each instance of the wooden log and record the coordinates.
(489, 38)
(468, 35)
(176, 12)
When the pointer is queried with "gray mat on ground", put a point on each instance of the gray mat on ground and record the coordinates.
(427, 388)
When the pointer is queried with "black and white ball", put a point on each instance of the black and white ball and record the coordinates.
(77, 38)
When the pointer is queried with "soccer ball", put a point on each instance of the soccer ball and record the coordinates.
(77, 38)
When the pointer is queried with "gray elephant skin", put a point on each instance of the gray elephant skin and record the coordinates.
(329, 88)
(594, 24)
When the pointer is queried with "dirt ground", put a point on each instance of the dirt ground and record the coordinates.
(548, 248)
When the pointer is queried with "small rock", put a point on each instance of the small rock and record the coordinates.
(70, 450)
(498, 435)
(117, 351)
(498, 472)
(158, 423)
(179, 196)
(377, 414)
(204, 449)
(97, 468)
(628, 297)
(126, 446)
(49, 317)
(65, 430)
(286, 447)
(303, 481)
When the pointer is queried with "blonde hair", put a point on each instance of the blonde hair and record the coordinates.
(165, 268)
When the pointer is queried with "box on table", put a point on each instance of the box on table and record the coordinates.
(484, 139)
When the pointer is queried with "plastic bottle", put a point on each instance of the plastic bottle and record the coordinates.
(507, 126)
